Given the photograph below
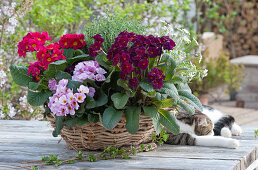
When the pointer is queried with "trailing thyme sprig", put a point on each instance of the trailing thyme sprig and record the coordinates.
(110, 152)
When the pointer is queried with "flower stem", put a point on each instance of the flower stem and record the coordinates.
(103, 51)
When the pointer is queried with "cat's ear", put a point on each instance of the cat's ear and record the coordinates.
(200, 120)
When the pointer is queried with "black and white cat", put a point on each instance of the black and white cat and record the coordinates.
(224, 125)
(207, 128)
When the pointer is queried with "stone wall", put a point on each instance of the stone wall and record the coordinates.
(248, 92)
(242, 37)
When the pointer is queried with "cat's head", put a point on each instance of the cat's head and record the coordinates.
(203, 125)
(199, 123)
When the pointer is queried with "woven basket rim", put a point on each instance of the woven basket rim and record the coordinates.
(93, 136)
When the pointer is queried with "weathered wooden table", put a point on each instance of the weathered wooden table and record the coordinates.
(30, 140)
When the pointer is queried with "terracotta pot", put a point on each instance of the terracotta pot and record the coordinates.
(204, 98)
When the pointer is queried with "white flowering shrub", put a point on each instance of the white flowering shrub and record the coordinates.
(185, 53)
(12, 105)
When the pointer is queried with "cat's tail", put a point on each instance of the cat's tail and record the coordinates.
(217, 141)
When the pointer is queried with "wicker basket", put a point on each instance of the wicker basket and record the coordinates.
(93, 136)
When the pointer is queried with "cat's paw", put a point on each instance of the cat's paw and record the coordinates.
(225, 132)
(232, 143)
(236, 130)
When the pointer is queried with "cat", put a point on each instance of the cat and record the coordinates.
(207, 128)
(224, 125)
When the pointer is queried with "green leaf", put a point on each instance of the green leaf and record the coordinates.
(122, 83)
(170, 66)
(68, 53)
(150, 111)
(179, 79)
(81, 109)
(170, 89)
(34, 86)
(128, 90)
(119, 100)
(169, 121)
(151, 62)
(170, 86)
(113, 81)
(78, 52)
(147, 86)
(130, 93)
(71, 122)
(185, 95)
(109, 76)
(132, 118)
(170, 71)
(103, 61)
(161, 96)
(62, 75)
(149, 94)
(74, 85)
(110, 117)
(82, 121)
(39, 86)
(93, 118)
(156, 123)
(168, 102)
(90, 102)
(83, 57)
(20, 76)
(183, 87)
(58, 125)
(101, 99)
(38, 98)
(54, 67)
(188, 108)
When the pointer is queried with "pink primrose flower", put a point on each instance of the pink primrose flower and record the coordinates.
(101, 71)
(100, 77)
(63, 100)
(83, 89)
(52, 84)
(80, 97)
(92, 92)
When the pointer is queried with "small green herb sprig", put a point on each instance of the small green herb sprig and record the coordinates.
(161, 138)
(109, 27)
(109, 152)
(256, 133)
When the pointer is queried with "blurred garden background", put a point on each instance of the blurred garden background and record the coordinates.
(226, 30)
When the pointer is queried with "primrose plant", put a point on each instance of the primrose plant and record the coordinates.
(127, 75)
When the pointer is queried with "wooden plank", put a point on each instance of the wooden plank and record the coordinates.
(30, 140)
(153, 163)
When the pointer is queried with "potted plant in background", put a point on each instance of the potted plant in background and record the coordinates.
(221, 72)
(110, 86)
(234, 77)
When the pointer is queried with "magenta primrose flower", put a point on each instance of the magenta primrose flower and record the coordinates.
(96, 46)
(132, 52)
(143, 64)
(156, 76)
(133, 82)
